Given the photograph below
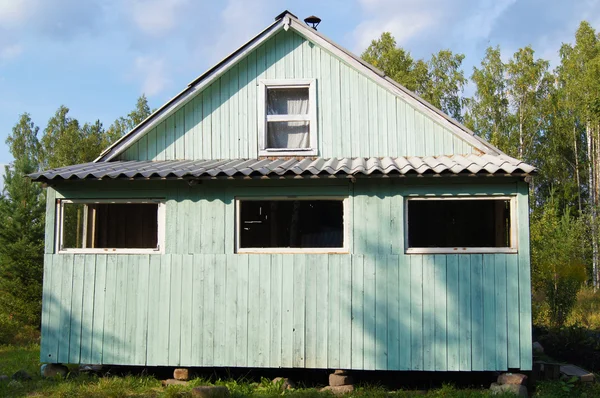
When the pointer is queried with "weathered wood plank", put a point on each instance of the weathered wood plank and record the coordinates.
(477, 314)
(87, 316)
(501, 321)
(231, 309)
(416, 312)
(524, 277)
(197, 309)
(381, 313)
(264, 295)
(429, 312)
(393, 307)
(313, 268)
(489, 312)
(50, 220)
(187, 311)
(512, 310)
(99, 308)
(65, 308)
(155, 317)
(345, 312)
(404, 282)
(452, 312)
(110, 340)
(220, 297)
(357, 311)
(368, 309)
(332, 303)
(254, 311)
(464, 311)
(321, 316)
(299, 347)
(242, 322)
(441, 316)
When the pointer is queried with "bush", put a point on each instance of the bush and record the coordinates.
(558, 263)
(13, 332)
(573, 344)
(586, 311)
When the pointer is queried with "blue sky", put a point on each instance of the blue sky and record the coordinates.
(96, 57)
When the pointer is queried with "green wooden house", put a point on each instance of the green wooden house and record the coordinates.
(292, 207)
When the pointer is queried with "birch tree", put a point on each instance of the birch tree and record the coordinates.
(528, 85)
(488, 113)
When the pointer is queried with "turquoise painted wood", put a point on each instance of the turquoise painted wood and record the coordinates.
(356, 117)
(201, 304)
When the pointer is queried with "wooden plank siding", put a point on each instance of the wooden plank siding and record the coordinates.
(201, 304)
(356, 117)
(183, 325)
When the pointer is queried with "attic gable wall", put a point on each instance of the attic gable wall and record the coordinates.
(356, 117)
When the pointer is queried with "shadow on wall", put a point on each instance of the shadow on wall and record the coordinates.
(433, 312)
(78, 327)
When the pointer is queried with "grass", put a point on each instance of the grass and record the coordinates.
(14, 358)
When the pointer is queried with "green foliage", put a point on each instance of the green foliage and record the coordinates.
(557, 260)
(22, 210)
(123, 125)
(487, 113)
(586, 311)
(556, 389)
(439, 80)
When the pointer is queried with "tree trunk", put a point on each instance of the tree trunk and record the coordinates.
(521, 132)
(577, 167)
(592, 202)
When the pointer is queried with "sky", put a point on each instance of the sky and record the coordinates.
(97, 56)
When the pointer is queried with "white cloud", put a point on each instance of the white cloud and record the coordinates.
(239, 21)
(15, 12)
(410, 20)
(10, 52)
(45, 20)
(157, 17)
(153, 74)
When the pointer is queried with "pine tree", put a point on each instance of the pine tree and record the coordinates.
(22, 213)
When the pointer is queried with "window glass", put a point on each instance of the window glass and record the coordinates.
(288, 135)
(110, 225)
(287, 101)
(291, 224)
(459, 223)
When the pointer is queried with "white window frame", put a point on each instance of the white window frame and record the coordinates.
(60, 227)
(311, 117)
(295, 250)
(465, 250)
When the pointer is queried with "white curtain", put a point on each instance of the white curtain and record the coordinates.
(288, 134)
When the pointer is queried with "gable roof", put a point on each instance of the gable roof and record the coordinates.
(286, 21)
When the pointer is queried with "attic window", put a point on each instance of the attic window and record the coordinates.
(110, 226)
(288, 115)
(451, 225)
(291, 225)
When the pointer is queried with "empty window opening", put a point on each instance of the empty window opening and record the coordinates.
(109, 225)
(447, 223)
(291, 224)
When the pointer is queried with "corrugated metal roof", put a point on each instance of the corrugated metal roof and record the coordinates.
(307, 167)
